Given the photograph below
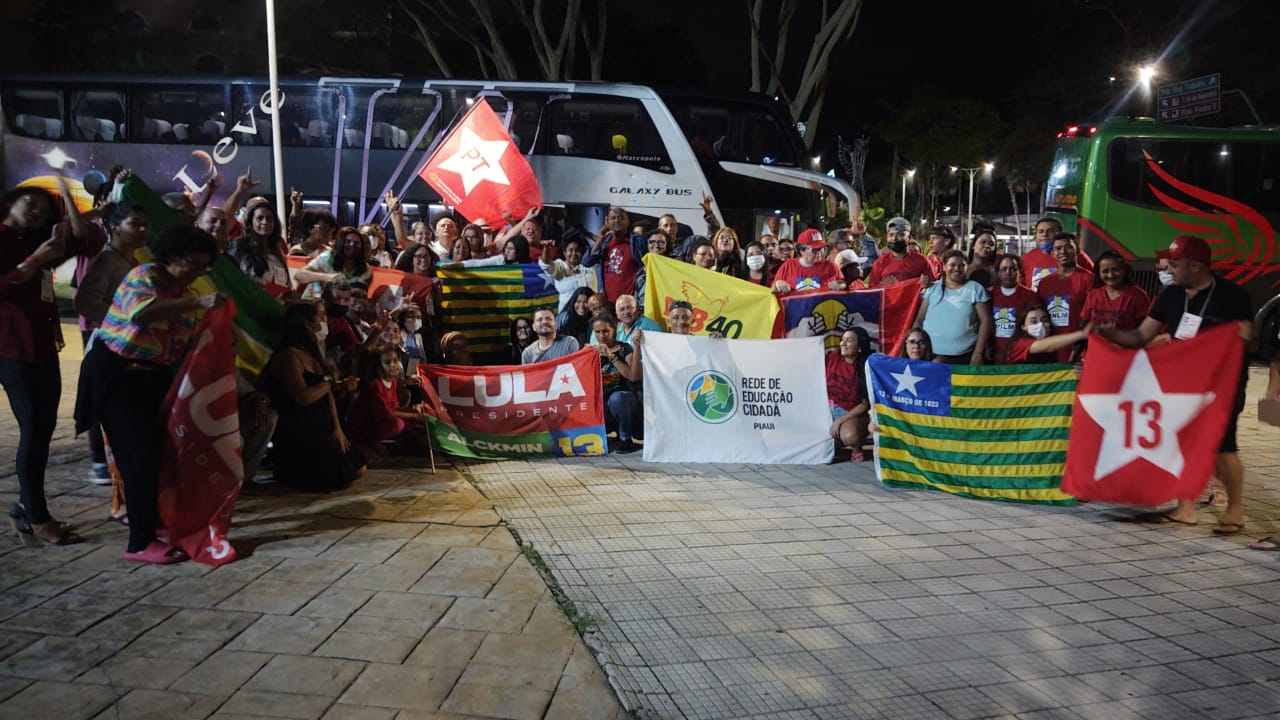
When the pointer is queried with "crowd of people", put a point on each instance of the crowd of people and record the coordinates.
(343, 383)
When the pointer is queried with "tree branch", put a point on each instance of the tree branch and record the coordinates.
(427, 40)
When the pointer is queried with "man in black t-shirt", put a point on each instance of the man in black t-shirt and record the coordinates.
(1198, 300)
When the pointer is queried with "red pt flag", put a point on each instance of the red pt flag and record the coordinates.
(1147, 423)
(480, 171)
(201, 471)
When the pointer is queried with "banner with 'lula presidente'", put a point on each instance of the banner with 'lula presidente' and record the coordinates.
(496, 411)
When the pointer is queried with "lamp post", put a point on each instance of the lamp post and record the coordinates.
(906, 176)
(986, 167)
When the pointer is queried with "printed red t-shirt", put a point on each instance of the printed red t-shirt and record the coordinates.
(889, 269)
(1007, 312)
(1125, 311)
(620, 268)
(803, 279)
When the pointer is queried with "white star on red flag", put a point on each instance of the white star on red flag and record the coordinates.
(477, 160)
(1142, 420)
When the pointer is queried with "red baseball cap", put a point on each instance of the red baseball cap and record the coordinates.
(1186, 247)
(811, 238)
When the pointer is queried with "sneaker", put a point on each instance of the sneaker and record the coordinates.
(856, 456)
(101, 474)
(264, 478)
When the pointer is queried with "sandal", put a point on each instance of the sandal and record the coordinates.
(158, 553)
(122, 517)
(1266, 544)
(50, 532)
(1227, 528)
(1158, 518)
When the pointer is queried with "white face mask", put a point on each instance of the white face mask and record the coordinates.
(1037, 331)
(413, 326)
(322, 333)
(755, 262)
(1166, 278)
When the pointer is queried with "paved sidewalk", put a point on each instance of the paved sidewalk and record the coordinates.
(404, 597)
(813, 592)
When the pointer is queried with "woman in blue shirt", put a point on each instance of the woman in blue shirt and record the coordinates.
(957, 315)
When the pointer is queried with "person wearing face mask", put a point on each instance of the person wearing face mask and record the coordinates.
(1033, 343)
(761, 269)
(1039, 262)
(312, 450)
(1010, 301)
(412, 349)
(1162, 272)
(899, 264)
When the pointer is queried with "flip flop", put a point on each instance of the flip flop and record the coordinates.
(1228, 528)
(158, 553)
(1161, 519)
(1272, 543)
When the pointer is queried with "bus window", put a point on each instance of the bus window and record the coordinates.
(309, 115)
(1243, 171)
(736, 132)
(397, 118)
(36, 112)
(607, 128)
(191, 114)
(526, 116)
(98, 115)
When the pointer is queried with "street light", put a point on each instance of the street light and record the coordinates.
(905, 176)
(986, 168)
(1145, 73)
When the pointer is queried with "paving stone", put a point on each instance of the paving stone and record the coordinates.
(259, 704)
(285, 634)
(401, 687)
(305, 676)
(57, 658)
(508, 703)
(140, 704)
(137, 671)
(62, 700)
(222, 673)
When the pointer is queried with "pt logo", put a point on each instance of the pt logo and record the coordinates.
(711, 397)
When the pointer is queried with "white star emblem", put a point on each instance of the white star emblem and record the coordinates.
(477, 159)
(906, 381)
(57, 159)
(1142, 420)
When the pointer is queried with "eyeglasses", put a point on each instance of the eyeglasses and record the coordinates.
(915, 342)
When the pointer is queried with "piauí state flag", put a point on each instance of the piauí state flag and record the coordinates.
(996, 432)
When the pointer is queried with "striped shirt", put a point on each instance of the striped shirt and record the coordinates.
(159, 342)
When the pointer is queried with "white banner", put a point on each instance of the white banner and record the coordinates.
(735, 401)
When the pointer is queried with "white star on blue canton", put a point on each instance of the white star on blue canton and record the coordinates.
(907, 381)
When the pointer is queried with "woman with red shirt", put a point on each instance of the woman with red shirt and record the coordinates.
(32, 243)
(1032, 343)
(1115, 301)
(760, 267)
(846, 391)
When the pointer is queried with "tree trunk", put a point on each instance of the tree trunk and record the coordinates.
(895, 179)
(754, 10)
(1013, 198)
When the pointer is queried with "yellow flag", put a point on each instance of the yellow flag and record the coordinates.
(734, 308)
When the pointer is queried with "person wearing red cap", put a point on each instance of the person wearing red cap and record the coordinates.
(1198, 299)
(811, 271)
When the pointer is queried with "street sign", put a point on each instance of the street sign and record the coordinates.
(1190, 98)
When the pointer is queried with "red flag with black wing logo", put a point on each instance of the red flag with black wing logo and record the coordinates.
(480, 171)
(1147, 423)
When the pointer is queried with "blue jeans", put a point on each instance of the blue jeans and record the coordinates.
(34, 390)
(622, 408)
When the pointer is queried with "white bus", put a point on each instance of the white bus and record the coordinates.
(348, 140)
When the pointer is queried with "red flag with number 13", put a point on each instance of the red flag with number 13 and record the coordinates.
(1147, 423)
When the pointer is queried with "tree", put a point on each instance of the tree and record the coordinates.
(934, 132)
(807, 89)
(500, 33)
